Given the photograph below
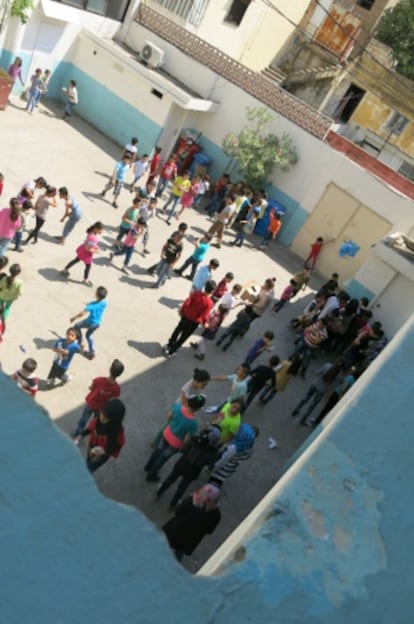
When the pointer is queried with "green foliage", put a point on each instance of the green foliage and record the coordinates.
(395, 29)
(21, 9)
(257, 151)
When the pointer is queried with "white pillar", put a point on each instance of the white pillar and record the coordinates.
(122, 34)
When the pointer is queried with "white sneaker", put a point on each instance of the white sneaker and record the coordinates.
(272, 443)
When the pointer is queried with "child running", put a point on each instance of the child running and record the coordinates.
(118, 178)
(134, 234)
(26, 379)
(100, 391)
(94, 312)
(106, 434)
(65, 349)
(86, 251)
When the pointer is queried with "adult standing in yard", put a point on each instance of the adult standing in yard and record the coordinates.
(197, 516)
(264, 298)
(72, 98)
(72, 213)
(194, 311)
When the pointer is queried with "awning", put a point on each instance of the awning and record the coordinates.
(61, 12)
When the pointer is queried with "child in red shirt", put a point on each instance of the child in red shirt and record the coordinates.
(25, 378)
(106, 434)
(222, 287)
(168, 172)
(316, 248)
(101, 390)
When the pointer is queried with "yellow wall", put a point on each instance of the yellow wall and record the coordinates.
(372, 114)
(337, 217)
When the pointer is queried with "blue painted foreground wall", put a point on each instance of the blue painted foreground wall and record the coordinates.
(332, 542)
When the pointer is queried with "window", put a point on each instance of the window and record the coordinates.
(115, 9)
(407, 170)
(190, 10)
(237, 10)
(348, 104)
(366, 4)
(396, 123)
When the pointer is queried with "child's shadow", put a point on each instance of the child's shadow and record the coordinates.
(41, 343)
(134, 282)
(53, 275)
(103, 174)
(91, 196)
(102, 261)
(170, 303)
(150, 349)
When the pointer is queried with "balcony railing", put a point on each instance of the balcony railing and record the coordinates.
(191, 11)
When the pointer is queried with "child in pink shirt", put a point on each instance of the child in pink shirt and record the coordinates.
(10, 222)
(289, 292)
(86, 251)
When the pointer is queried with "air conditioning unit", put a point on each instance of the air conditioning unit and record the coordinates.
(152, 55)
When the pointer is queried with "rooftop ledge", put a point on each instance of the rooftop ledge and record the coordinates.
(394, 251)
(382, 172)
(180, 95)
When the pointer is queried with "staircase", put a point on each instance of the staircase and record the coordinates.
(314, 73)
(274, 74)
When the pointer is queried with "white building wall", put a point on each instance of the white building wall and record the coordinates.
(261, 34)
(318, 163)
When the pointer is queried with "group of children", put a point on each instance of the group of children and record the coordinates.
(227, 440)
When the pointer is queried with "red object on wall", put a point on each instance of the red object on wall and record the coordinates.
(185, 150)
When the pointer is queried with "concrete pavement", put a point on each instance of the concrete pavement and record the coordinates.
(138, 320)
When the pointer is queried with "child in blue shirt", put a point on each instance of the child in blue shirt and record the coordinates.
(65, 349)
(259, 346)
(118, 178)
(94, 312)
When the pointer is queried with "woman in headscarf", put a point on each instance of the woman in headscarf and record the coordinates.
(197, 516)
(240, 449)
